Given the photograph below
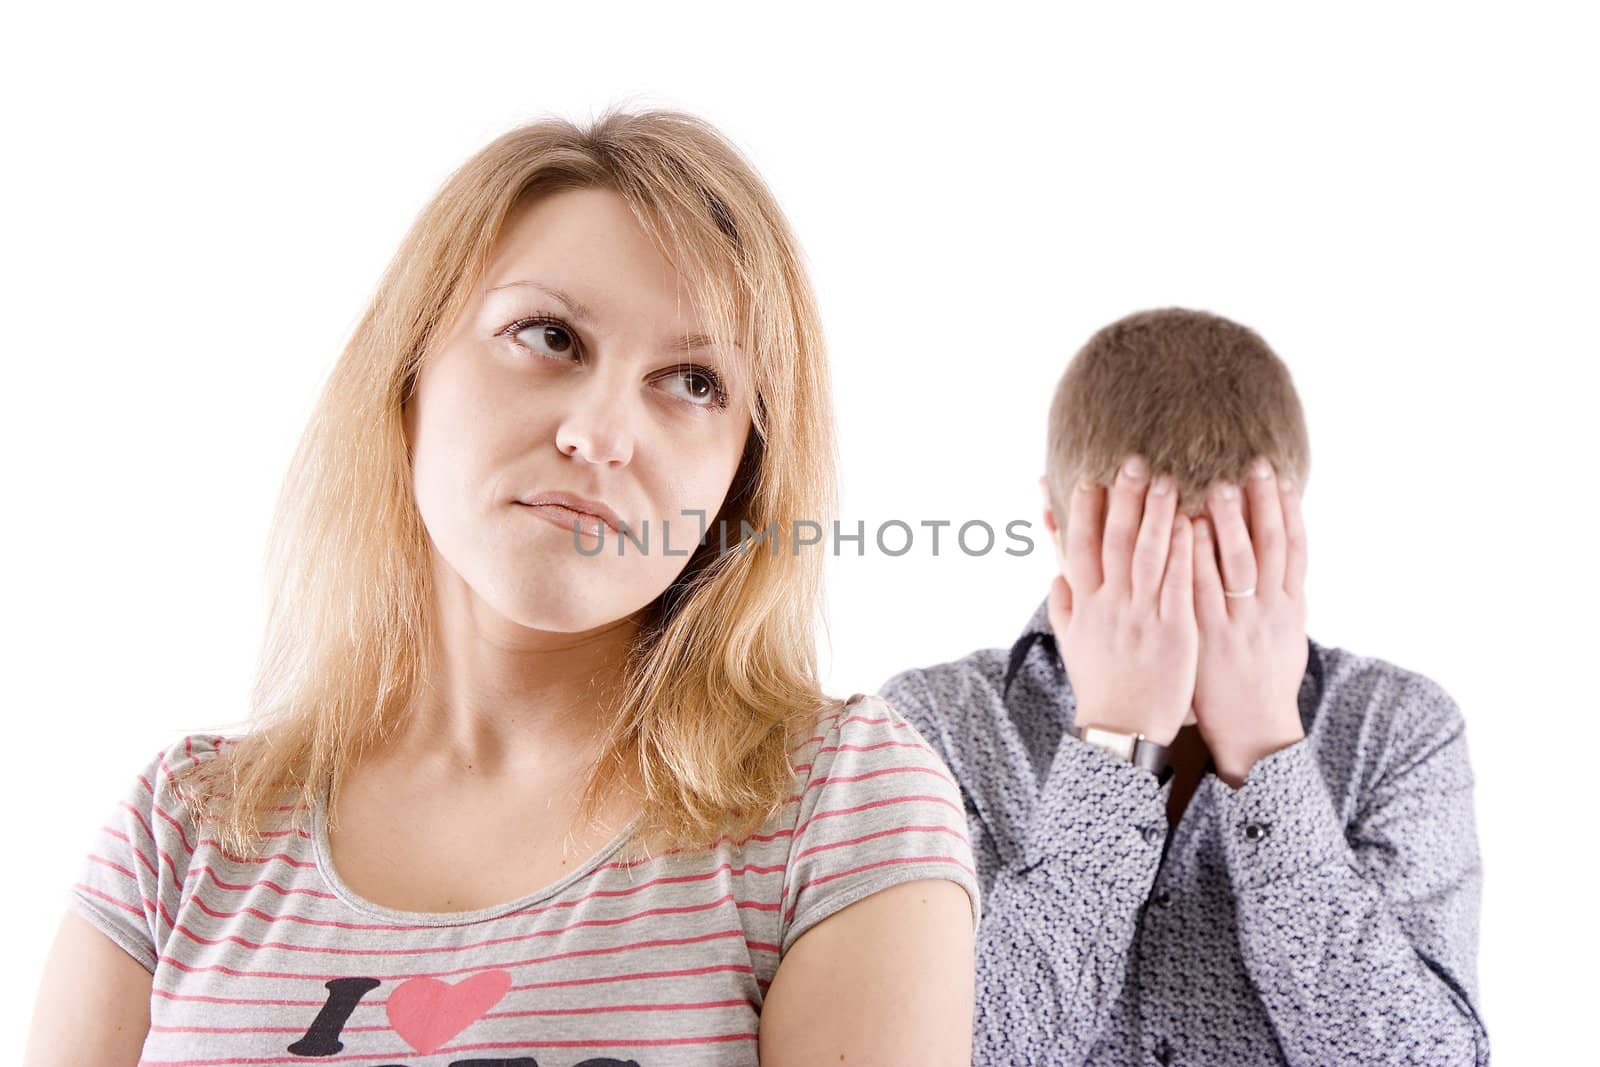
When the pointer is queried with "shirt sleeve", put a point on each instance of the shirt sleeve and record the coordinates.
(878, 807)
(132, 877)
(1362, 940)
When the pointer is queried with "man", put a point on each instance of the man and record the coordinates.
(1202, 837)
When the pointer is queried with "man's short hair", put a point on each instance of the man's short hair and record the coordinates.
(1197, 395)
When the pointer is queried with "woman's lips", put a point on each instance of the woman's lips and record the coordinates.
(556, 515)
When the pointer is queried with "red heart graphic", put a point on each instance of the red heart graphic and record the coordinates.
(428, 1012)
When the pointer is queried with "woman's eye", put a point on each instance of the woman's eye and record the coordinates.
(701, 386)
(546, 339)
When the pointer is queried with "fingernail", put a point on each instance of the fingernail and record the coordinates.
(1085, 485)
(1134, 467)
(1161, 486)
(1226, 491)
(1262, 468)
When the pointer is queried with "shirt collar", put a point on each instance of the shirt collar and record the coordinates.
(1039, 632)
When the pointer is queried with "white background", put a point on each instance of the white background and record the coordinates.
(198, 202)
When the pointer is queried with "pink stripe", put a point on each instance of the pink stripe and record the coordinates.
(686, 909)
(218, 742)
(284, 856)
(836, 721)
(957, 834)
(160, 908)
(271, 1002)
(599, 1009)
(865, 748)
(831, 722)
(523, 914)
(880, 721)
(172, 784)
(637, 976)
(908, 798)
(897, 861)
(129, 908)
(182, 834)
(748, 868)
(612, 1009)
(149, 864)
(119, 868)
(177, 882)
(597, 1042)
(166, 771)
(665, 942)
(267, 882)
(281, 833)
(727, 839)
(879, 773)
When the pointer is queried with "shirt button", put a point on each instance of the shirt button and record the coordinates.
(1255, 831)
(1152, 835)
(1163, 899)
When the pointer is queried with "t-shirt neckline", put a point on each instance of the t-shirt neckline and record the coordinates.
(323, 856)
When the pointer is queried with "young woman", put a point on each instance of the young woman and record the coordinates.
(539, 772)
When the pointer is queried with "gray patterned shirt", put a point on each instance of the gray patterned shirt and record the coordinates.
(1326, 912)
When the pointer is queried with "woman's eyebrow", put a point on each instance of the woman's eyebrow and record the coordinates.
(578, 308)
(581, 313)
(691, 341)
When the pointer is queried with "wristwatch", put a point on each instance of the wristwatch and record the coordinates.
(1135, 748)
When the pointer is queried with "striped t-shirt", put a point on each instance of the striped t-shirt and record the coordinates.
(276, 961)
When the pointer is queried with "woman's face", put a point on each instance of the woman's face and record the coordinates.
(575, 368)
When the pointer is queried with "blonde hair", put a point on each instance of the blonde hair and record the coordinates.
(724, 676)
(1198, 396)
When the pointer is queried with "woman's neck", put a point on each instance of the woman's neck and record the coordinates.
(517, 701)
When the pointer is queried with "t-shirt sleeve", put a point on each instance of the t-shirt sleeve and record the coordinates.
(132, 877)
(877, 807)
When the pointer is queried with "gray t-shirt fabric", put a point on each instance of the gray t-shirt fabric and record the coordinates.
(664, 962)
(1326, 912)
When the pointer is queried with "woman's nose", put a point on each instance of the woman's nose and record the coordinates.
(597, 427)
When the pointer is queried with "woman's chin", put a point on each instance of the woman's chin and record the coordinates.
(565, 599)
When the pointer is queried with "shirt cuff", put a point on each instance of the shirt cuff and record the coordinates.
(1280, 822)
(1102, 816)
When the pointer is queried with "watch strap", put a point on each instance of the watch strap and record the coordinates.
(1147, 755)
(1151, 755)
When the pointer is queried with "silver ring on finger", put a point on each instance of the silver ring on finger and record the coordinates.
(1243, 592)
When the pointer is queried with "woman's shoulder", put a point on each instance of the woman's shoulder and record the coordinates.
(162, 771)
(194, 748)
(874, 806)
(164, 812)
(866, 736)
(134, 872)
(169, 782)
